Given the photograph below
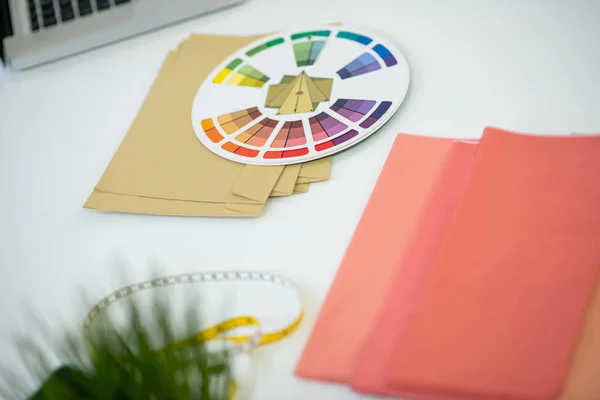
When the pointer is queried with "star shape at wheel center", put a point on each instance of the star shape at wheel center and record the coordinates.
(298, 94)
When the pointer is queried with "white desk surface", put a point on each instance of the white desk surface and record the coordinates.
(523, 65)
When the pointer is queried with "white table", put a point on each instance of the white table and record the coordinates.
(523, 65)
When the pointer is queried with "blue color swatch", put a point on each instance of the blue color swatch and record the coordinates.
(365, 63)
(384, 53)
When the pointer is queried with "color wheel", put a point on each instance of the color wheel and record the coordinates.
(299, 96)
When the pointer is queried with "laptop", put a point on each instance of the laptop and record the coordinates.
(39, 31)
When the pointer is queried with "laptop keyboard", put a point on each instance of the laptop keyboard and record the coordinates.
(45, 14)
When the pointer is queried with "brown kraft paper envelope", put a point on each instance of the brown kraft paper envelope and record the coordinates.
(287, 181)
(106, 201)
(244, 189)
(147, 205)
(315, 171)
(161, 157)
(312, 171)
(247, 185)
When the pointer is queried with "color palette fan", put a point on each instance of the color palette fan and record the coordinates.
(299, 96)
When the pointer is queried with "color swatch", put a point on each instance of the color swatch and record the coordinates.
(307, 52)
(355, 37)
(310, 34)
(287, 154)
(384, 53)
(258, 134)
(247, 75)
(265, 46)
(324, 126)
(354, 110)
(227, 70)
(337, 140)
(365, 63)
(235, 121)
(376, 115)
(208, 126)
(239, 150)
(290, 135)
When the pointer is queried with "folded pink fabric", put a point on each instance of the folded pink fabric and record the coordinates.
(372, 257)
(413, 269)
(502, 309)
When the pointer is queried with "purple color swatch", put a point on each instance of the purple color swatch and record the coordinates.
(330, 125)
(353, 109)
(378, 113)
(345, 137)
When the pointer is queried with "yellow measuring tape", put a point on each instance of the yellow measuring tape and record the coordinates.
(245, 343)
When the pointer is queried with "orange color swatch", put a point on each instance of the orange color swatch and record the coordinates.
(412, 271)
(364, 276)
(500, 314)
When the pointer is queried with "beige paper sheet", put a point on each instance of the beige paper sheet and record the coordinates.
(161, 156)
(147, 205)
(287, 181)
(151, 171)
(301, 188)
(315, 171)
(257, 182)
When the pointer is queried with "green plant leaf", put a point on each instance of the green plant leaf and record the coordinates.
(122, 363)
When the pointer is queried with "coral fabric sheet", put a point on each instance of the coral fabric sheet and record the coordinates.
(364, 276)
(583, 382)
(412, 271)
(501, 311)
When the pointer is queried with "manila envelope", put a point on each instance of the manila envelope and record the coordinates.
(105, 198)
(160, 157)
(306, 173)
(294, 178)
(315, 171)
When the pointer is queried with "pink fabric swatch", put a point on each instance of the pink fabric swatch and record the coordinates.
(413, 269)
(365, 274)
(502, 309)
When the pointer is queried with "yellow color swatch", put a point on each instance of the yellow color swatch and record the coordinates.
(242, 80)
(222, 75)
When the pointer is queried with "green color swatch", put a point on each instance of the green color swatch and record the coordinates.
(307, 52)
(234, 63)
(252, 72)
(301, 35)
(264, 46)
